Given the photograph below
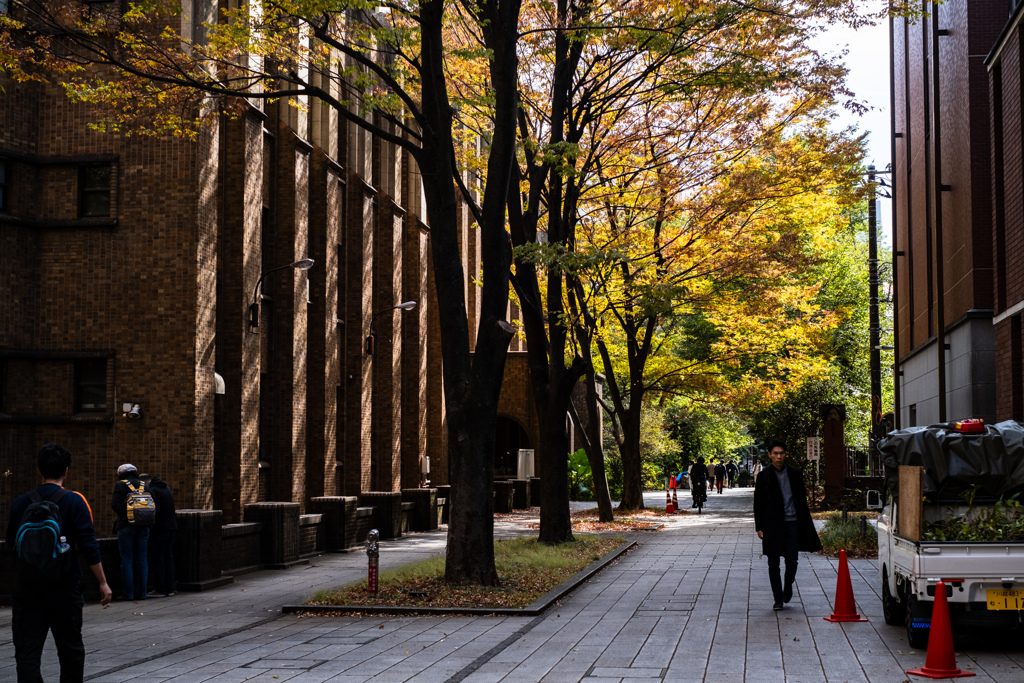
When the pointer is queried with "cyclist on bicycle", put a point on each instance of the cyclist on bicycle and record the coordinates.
(698, 481)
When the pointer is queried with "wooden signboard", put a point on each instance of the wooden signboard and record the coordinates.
(911, 506)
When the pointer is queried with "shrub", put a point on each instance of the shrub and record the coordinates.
(838, 535)
(581, 478)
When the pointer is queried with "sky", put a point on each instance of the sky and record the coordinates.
(868, 64)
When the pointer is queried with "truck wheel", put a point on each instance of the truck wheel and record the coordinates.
(917, 637)
(893, 611)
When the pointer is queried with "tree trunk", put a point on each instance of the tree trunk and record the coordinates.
(555, 521)
(593, 444)
(471, 383)
(632, 463)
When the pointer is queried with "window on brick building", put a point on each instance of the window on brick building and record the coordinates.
(106, 8)
(94, 184)
(3, 180)
(90, 385)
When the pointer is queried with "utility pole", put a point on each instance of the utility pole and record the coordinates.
(875, 363)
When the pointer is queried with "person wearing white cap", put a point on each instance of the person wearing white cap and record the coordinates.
(132, 536)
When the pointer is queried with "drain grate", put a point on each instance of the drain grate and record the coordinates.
(277, 663)
(682, 605)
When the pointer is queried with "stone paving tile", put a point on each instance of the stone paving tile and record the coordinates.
(690, 604)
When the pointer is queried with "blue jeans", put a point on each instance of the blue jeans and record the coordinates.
(131, 543)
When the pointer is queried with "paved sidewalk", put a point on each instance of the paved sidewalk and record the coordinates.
(690, 604)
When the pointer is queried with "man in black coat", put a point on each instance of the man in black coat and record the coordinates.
(783, 520)
(161, 540)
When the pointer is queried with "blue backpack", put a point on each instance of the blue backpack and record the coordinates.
(40, 547)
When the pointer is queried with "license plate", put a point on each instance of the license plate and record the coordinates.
(1007, 599)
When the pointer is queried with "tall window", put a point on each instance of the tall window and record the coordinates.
(3, 177)
(90, 385)
(94, 190)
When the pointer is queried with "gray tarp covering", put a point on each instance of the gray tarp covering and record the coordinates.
(953, 462)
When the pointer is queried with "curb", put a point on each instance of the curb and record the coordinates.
(531, 610)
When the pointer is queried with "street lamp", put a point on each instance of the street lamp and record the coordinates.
(405, 306)
(254, 307)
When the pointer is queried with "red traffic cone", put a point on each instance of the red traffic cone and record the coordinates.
(941, 660)
(845, 607)
(668, 503)
(675, 501)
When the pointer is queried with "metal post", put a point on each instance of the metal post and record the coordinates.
(373, 556)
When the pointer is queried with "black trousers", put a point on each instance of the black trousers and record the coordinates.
(161, 559)
(58, 611)
(792, 546)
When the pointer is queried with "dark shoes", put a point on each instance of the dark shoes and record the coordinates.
(787, 593)
(777, 606)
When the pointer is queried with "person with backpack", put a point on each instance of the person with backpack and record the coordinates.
(161, 538)
(48, 529)
(136, 512)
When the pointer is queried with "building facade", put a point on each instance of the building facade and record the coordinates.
(129, 271)
(1006, 89)
(947, 350)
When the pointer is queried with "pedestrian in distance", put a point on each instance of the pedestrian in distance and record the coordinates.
(47, 586)
(161, 537)
(782, 521)
(719, 476)
(731, 470)
(136, 512)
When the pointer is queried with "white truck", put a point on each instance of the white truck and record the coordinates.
(984, 579)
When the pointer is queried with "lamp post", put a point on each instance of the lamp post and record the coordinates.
(404, 306)
(254, 307)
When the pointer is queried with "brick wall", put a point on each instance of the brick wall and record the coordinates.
(161, 290)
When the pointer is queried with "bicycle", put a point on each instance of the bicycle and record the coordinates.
(700, 494)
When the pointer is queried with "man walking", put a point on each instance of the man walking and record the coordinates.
(133, 533)
(39, 607)
(782, 520)
(719, 476)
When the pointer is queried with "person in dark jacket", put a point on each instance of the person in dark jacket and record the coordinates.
(783, 520)
(132, 541)
(57, 609)
(719, 476)
(731, 470)
(161, 538)
(698, 480)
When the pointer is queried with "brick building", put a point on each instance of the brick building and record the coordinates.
(949, 352)
(1006, 87)
(127, 272)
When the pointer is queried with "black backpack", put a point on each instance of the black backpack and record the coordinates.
(40, 546)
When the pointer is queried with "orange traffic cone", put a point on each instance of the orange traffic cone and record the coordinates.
(941, 660)
(845, 608)
(675, 501)
(669, 508)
